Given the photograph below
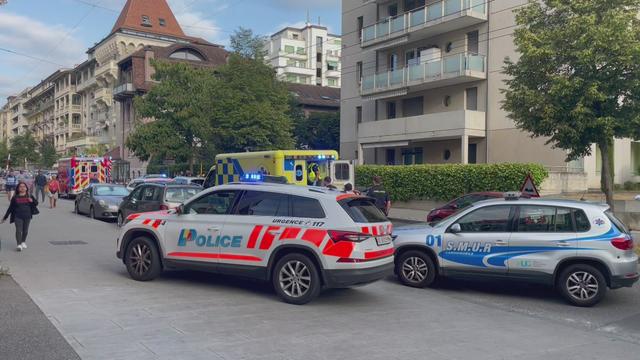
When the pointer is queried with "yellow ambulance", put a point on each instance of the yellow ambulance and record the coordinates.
(299, 167)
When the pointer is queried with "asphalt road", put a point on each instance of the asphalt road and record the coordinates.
(103, 314)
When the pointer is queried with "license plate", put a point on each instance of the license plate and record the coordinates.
(383, 240)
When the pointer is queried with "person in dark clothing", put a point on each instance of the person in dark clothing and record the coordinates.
(378, 192)
(21, 210)
(40, 183)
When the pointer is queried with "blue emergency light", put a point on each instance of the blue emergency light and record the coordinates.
(252, 177)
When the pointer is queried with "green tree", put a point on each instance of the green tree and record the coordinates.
(576, 80)
(318, 131)
(244, 43)
(249, 108)
(48, 154)
(178, 105)
(4, 152)
(24, 147)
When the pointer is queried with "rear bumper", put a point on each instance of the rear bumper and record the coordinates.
(624, 281)
(352, 277)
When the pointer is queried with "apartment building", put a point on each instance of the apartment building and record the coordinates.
(39, 108)
(309, 55)
(15, 120)
(421, 84)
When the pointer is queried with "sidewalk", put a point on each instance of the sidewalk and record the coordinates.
(26, 333)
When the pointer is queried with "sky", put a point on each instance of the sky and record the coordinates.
(38, 37)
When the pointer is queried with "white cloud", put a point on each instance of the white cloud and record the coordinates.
(196, 23)
(298, 24)
(54, 43)
(315, 4)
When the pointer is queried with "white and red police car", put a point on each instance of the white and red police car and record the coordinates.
(300, 238)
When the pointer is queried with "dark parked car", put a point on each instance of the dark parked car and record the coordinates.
(185, 180)
(100, 201)
(462, 202)
(153, 196)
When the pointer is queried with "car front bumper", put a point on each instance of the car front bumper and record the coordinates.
(351, 277)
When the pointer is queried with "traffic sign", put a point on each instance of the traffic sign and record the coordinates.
(529, 188)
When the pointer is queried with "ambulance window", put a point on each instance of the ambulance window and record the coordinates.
(304, 207)
(210, 180)
(342, 171)
(259, 203)
(83, 169)
(94, 168)
(215, 203)
(486, 219)
(299, 173)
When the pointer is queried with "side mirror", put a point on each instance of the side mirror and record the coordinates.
(455, 228)
(180, 209)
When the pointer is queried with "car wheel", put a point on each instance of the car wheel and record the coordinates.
(296, 279)
(142, 259)
(582, 285)
(416, 268)
(92, 212)
(120, 219)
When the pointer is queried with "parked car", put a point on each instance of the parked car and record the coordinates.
(148, 176)
(186, 180)
(155, 196)
(100, 201)
(461, 202)
(135, 182)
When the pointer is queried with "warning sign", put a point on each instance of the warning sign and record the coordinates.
(529, 188)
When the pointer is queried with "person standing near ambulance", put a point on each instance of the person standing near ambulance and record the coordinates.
(377, 191)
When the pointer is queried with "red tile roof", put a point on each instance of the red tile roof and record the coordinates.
(132, 14)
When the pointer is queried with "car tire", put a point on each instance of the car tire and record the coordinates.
(582, 285)
(416, 269)
(120, 219)
(142, 259)
(291, 274)
(92, 212)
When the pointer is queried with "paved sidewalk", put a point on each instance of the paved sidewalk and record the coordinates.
(25, 332)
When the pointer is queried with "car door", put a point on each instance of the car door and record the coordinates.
(253, 227)
(483, 237)
(149, 200)
(541, 238)
(130, 206)
(85, 200)
(197, 232)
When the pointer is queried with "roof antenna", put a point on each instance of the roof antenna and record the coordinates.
(318, 20)
(308, 19)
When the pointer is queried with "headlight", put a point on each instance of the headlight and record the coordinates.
(102, 203)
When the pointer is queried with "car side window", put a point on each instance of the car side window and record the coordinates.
(582, 221)
(304, 207)
(260, 203)
(486, 219)
(136, 194)
(544, 219)
(215, 203)
(563, 220)
(148, 193)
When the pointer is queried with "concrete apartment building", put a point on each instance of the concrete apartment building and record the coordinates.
(421, 84)
(309, 55)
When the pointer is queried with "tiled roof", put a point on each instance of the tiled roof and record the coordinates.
(314, 95)
(214, 55)
(149, 16)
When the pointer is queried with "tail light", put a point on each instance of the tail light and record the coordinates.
(164, 207)
(623, 243)
(337, 235)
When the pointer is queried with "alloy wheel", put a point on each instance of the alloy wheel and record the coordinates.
(140, 258)
(294, 278)
(414, 269)
(582, 285)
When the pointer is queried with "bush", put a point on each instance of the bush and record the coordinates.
(175, 169)
(444, 182)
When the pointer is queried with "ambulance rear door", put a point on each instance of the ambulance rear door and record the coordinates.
(342, 172)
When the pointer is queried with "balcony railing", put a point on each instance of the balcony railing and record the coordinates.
(447, 67)
(420, 17)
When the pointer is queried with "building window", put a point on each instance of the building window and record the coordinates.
(319, 72)
(391, 110)
(358, 114)
(332, 65)
(412, 156)
(472, 98)
(291, 63)
(289, 49)
(446, 101)
(360, 26)
(472, 42)
(300, 51)
(319, 42)
(186, 54)
(472, 154)
(359, 71)
(294, 36)
(292, 78)
(162, 22)
(391, 156)
(393, 10)
(319, 57)
(332, 82)
(146, 21)
(446, 155)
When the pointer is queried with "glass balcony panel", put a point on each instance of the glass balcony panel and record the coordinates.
(416, 18)
(382, 80)
(433, 68)
(416, 72)
(478, 6)
(368, 82)
(397, 24)
(452, 7)
(475, 63)
(382, 29)
(369, 33)
(396, 77)
(451, 64)
(434, 11)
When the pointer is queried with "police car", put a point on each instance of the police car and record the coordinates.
(299, 238)
(580, 248)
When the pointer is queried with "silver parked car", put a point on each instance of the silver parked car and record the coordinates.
(580, 248)
(100, 201)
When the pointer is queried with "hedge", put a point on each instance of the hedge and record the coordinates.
(175, 169)
(445, 182)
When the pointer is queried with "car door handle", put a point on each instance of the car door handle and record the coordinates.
(563, 243)
(501, 242)
(213, 228)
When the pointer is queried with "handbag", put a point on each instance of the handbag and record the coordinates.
(34, 210)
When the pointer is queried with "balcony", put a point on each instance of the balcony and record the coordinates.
(87, 84)
(447, 71)
(61, 130)
(424, 127)
(294, 55)
(430, 20)
(124, 90)
(299, 70)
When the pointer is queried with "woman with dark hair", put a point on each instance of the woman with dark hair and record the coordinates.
(21, 210)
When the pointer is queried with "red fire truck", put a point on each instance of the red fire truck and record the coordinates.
(76, 173)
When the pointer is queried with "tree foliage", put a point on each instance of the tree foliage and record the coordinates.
(47, 150)
(24, 147)
(576, 80)
(318, 131)
(247, 45)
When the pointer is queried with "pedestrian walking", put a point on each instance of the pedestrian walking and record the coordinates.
(378, 192)
(20, 212)
(10, 184)
(53, 187)
(40, 183)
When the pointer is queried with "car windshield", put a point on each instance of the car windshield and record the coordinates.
(180, 194)
(111, 191)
